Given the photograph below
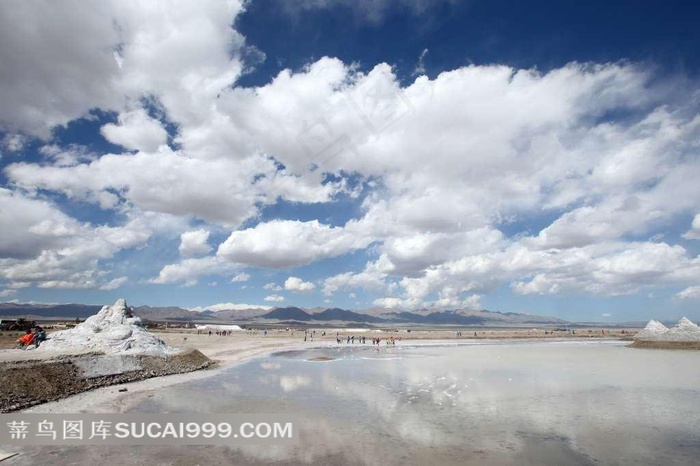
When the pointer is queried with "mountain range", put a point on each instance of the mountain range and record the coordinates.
(289, 315)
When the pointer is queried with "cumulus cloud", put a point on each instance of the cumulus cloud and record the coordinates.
(136, 131)
(368, 280)
(30, 225)
(194, 243)
(241, 277)
(388, 303)
(13, 142)
(50, 87)
(526, 179)
(287, 243)
(42, 246)
(114, 284)
(692, 292)
(274, 298)
(188, 271)
(694, 232)
(127, 50)
(298, 285)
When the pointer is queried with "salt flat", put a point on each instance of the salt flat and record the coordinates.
(491, 402)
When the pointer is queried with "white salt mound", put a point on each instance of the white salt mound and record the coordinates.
(114, 329)
(652, 331)
(684, 330)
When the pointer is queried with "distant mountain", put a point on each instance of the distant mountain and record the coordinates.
(464, 317)
(434, 318)
(168, 313)
(287, 314)
(345, 316)
(236, 314)
(376, 316)
(82, 311)
(48, 311)
(424, 316)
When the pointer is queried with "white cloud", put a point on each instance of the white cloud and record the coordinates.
(508, 148)
(114, 284)
(230, 306)
(194, 243)
(7, 293)
(165, 182)
(298, 285)
(136, 131)
(694, 232)
(612, 269)
(44, 247)
(286, 243)
(272, 287)
(368, 280)
(108, 53)
(274, 298)
(420, 68)
(48, 86)
(187, 271)
(13, 142)
(388, 303)
(29, 225)
(241, 277)
(692, 292)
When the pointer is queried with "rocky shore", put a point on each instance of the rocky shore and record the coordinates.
(28, 383)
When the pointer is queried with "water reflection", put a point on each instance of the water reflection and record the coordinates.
(480, 404)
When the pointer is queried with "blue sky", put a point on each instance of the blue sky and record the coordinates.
(533, 157)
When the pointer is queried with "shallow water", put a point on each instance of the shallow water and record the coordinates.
(503, 403)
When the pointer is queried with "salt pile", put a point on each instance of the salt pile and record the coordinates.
(652, 331)
(114, 329)
(684, 330)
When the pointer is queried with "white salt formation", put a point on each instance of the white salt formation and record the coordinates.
(114, 329)
(652, 331)
(684, 330)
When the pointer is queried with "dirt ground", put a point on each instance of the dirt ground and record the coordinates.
(681, 345)
(28, 383)
(8, 339)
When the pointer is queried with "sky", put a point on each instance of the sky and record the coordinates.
(535, 157)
